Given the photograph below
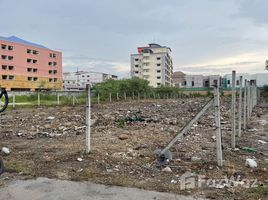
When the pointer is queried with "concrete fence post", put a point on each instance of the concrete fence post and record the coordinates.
(245, 106)
(73, 101)
(117, 96)
(233, 107)
(240, 107)
(218, 124)
(14, 99)
(58, 98)
(125, 96)
(248, 100)
(98, 98)
(38, 98)
(110, 97)
(88, 120)
(138, 96)
(133, 96)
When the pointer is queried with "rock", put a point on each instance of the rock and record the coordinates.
(251, 163)
(195, 159)
(6, 150)
(19, 134)
(79, 159)
(50, 118)
(262, 142)
(167, 169)
(253, 130)
(123, 137)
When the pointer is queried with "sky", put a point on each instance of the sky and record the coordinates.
(206, 36)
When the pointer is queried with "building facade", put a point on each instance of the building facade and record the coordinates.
(195, 81)
(79, 80)
(28, 66)
(260, 79)
(153, 63)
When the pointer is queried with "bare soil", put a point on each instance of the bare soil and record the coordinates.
(46, 147)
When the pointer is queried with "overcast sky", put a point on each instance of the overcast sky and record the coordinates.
(206, 36)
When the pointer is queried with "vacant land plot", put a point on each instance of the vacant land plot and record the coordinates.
(50, 142)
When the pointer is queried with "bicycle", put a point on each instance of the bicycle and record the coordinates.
(3, 107)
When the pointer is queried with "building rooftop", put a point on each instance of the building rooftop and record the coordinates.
(15, 39)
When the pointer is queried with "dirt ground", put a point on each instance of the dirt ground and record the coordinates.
(50, 142)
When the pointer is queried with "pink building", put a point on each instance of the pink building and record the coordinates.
(28, 66)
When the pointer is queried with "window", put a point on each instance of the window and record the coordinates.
(87, 75)
(4, 77)
(35, 52)
(50, 55)
(34, 61)
(136, 72)
(29, 60)
(35, 79)
(34, 69)
(184, 83)
(10, 57)
(3, 46)
(228, 82)
(30, 78)
(4, 57)
(237, 82)
(136, 59)
(10, 48)
(136, 65)
(54, 55)
(159, 77)
(4, 67)
(192, 83)
(49, 63)
(55, 79)
(54, 63)
(158, 58)
(158, 71)
(83, 76)
(10, 67)
(158, 84)
(55, 72)
(29, 69)
(11, 77)
(29, 51)
(158, 65)
(50, 71)
(50, 80)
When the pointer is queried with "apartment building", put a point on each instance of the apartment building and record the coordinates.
(28, 66)
(153, 63)
(78, 80)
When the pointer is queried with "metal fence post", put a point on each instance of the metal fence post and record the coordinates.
(240, 107)
(88, 120)
(233, 107)
(218, 124)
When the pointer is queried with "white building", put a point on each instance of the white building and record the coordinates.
(153, 63)
(261, 79)
(79, 80)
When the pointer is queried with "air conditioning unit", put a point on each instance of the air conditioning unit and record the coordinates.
(266, 65)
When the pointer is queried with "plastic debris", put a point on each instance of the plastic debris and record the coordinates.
(251, 163)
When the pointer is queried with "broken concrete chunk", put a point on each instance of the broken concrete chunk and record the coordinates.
(195, 159)
(167, 169)
(50, 118)
(6, 150)
(251, 163)
(79, 159)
